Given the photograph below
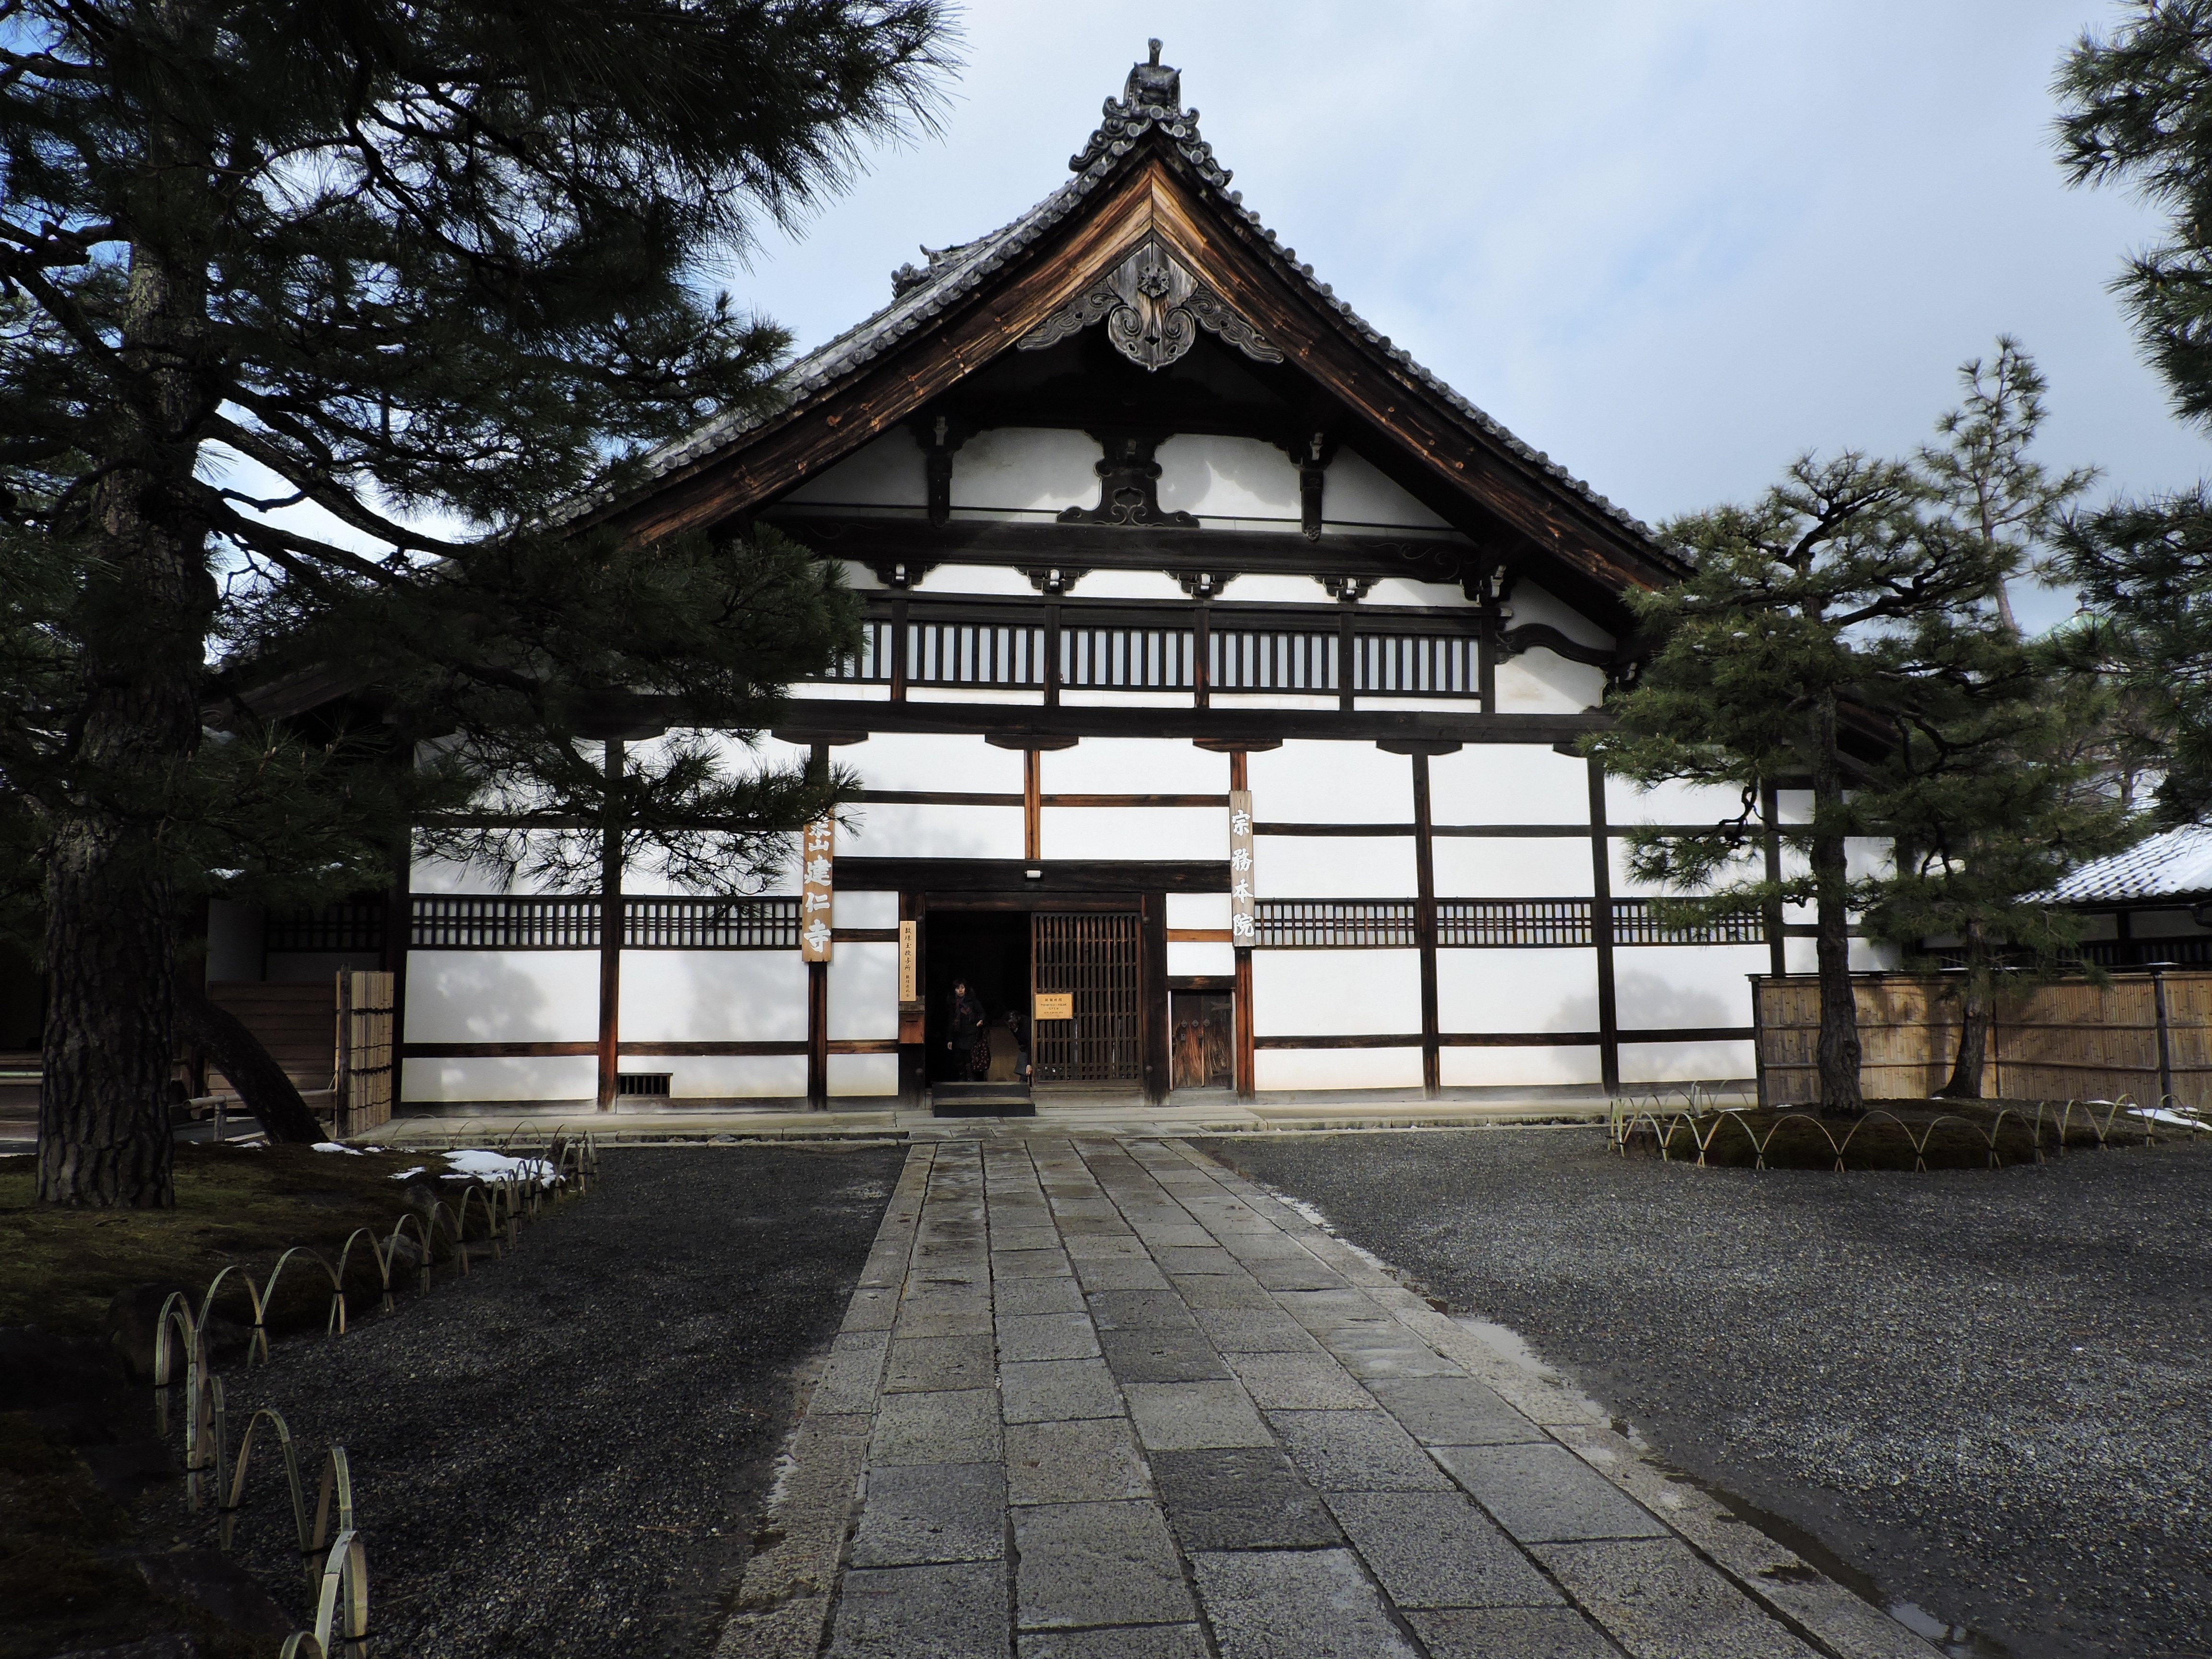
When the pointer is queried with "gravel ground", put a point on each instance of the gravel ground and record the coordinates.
(560, 1454)
(1991, 1392)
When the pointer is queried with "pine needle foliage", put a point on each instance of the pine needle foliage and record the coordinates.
(315, 320)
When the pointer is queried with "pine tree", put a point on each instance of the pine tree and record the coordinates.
(2137, 110)
(2000, 778)
(1808, 632)
(312, 318)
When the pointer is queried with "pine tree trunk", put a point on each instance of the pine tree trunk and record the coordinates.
(1838, 1046)
(267, 1091)
(104, 1135)
(1965, 1082)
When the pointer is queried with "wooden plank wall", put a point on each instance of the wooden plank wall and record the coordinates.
(2067, 1040)
(294, 1023)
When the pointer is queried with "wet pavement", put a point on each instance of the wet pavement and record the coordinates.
(1101, 1397)
(1984, 1393)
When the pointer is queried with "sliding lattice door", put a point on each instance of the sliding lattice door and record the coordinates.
(1094, 958)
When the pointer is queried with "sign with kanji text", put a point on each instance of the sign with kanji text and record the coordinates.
(909, 995)
(1056, 1005)
(1241, 932)
(817, 848)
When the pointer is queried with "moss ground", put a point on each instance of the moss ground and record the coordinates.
(232, 1207)
(67, 1579)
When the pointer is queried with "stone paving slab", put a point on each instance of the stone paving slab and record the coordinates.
(1097, 1398)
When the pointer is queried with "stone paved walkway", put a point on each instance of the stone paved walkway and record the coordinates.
(1101, 1399)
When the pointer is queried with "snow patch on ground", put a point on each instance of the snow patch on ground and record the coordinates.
(408, 1175)
(474, 1163)
(334, 1147)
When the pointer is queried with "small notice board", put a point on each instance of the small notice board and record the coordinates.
(1056, 1005)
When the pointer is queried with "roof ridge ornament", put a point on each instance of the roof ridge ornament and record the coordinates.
(1151, 97)
(1153, 308)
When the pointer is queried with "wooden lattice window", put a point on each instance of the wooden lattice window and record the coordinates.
(1095, 957)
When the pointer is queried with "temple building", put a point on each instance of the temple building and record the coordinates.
(1216, 717)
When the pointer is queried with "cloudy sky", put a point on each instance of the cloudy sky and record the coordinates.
(1672, 242)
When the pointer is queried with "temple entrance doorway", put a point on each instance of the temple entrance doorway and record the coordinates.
(1087, 971)
(989, 950)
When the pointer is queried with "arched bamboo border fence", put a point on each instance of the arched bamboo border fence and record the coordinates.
(1707, 1122)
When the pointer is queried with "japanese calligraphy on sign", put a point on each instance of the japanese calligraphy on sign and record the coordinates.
(1241, 931)
(817, 849)
(909, 994)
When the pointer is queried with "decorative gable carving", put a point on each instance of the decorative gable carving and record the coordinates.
(1153, 308)
(1129, 486)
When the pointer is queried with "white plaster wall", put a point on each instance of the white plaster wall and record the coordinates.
(1336, 992)
(1241, 478)
(976, 579)
(934, 832)
(1276, 1070)
(1025, 470)
(568, 1078)
(1531, 603)
(1133, 832)
(863, 991)
(1308, 780)
(1499, 868)
(850, 909)
(1190, 957)
(1658, 986)
(1084, 697)
(885, 472)
(1356, 493)
(1333, 866)
(502, 996)
(1129, 585)
(926, 761)
(1506, 783)
(712, 996)
(1670, 803)
(1517, 1067)
(857, 1075)
(974, 694)
(1516, 990)
(1198, 909)
(733, 1076)
(1683, 1062)
(1274, 590)
(1541, 682)
(1134, 766)
(1400, 590)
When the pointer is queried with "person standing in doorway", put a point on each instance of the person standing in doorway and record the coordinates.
(967, 1035)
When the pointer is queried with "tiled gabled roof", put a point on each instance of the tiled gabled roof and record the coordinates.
(2176, 865)
(1150, 102)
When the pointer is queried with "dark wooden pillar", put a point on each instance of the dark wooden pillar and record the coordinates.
(1425, 926)
(611, 927)
(1032, 804)
(898, 650)
(1769, 818)
(1246, 1073)
(1609, 1012)
(1201, 641)
(913, 1019)
(1155, 1036)
(817, 982)
(1348, 647)
(399, 936)
(1052, 656)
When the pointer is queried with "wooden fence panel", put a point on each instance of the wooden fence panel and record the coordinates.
(2064, 1040)
(366, 1067)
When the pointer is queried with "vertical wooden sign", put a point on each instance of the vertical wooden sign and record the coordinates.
(907, 992)
(814, 892)
(1241, 928)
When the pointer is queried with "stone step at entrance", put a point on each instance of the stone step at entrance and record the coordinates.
(981, 1100)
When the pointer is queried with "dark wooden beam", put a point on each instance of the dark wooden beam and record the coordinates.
(1224, 726)
(1156, 1029)
(1072, 876)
